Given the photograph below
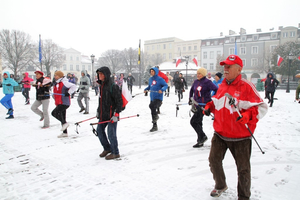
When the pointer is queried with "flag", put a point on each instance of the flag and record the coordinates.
(126, 96)
(139, 59)
(235, 48)
(195, 61)
(178, 60)
(40, 50)
(279, 60)
(299, 58)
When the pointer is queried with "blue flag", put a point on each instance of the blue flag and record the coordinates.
(235, 48)
(40, 50)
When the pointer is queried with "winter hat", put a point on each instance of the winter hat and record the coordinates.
(60, 74)
(231, 60)
(219, 74)
(202, 71)
(41, 73)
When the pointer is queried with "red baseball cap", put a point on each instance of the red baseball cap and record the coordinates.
(231, 60)
(39, 72)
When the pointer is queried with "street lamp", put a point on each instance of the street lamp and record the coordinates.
(93, 72)
(289, 66)
(186, 66)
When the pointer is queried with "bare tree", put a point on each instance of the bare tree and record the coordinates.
(112, 59)
(15, 47)
(52, 56)
(130, 58)
(219, 68)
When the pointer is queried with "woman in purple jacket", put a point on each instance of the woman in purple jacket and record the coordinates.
(199, 96)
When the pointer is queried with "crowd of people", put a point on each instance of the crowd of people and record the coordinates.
(232, 101)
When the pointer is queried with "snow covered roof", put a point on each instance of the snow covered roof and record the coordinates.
(171, 67)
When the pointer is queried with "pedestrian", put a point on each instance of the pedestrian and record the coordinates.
(270, 85)
(230, 131)
(218, 80)
(120, 80)
(176, 75)
(200, 94)
(71, 78)
(130, 80)
(109, 108)
(170, 80)
(95, 85)
(83, 89)
(180, 84)
(8, 90)
(26, 87)
(297, 92)
(210, 77)
(61, 94)
(156, 86)
(42, 85)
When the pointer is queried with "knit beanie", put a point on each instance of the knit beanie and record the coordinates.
(219, 74)
(60, 74)
(202, 71)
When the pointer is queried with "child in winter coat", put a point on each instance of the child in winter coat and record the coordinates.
(8, 89)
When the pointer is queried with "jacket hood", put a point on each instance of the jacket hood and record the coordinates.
(106, 71)
(26, 74)
(8, 74)
(270, 73)
(83, 71)
(155, 69)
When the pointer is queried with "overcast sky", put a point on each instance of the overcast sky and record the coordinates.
(94, 26)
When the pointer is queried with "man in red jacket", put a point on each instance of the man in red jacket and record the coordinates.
(230, 130)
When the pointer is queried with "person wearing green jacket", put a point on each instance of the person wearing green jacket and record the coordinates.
(8, 89)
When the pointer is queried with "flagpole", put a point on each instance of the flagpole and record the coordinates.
(139, 64)
(40, 52)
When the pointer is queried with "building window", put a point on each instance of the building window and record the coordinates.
(272, 48)
(165, 46)
(71, 67)
(231, 51)
(216, 42)
(204, 55)
(232, 40)
(243, 39)
(170, 55)
(254, 62)
(207, 43)
(71, 58)
(65, 67)
(292, 34)
(184, 49)
(195, 47)
(285, 34)
(211, 66)
(77, 58)
(244, 62)
(211, 55)
(83, 67)
(242, 50)
(170, 46)
(205, 65)
(255, 37)
(255, 50)
(274, 36)
(190, 48)
(77, 67)
(148, 48)
(179, 49)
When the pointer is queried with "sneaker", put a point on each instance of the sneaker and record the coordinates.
(86, 112)
(63, 135)
(112, 156)
(198, 145)
(27, 103)
(217, 193)
(44, 127)
(9, 111)
(64, 126)
(10, 117)
(42, 118)
(154, 128)
(81, 110)
(104, 153)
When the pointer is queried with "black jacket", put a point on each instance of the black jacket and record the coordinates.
(271, 83)
(180, 83)
(42, 92)
(110, 99)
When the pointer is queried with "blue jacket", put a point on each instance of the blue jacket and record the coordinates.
(156, 83)
(8, 80)
(200, 90)
(217, 84)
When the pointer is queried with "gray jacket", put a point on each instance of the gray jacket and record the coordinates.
(84, 84)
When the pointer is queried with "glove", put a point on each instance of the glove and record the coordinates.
(78, 90)
(115, 118)
(190, 102)
(8, 84)
(231, 101)
(244, 119)
(67, 94)
(83, 88)
(206, 110)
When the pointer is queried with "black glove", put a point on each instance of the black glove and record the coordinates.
(190, 102)
(231, 101)
(8, 84)
(82, 88)
(67, 94)
(78, 90)
(206, 112)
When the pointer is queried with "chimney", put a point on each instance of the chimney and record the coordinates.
(280, 27)
(221, 34)
(231, 32)
(258, 30)
(272, 29)
(242, 31)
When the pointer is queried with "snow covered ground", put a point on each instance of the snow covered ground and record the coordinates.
(35, 164)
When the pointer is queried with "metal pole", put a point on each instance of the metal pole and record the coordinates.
(288, 83)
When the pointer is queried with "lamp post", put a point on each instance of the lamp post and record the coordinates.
(93, 72)
(186, 66)
(289, 66)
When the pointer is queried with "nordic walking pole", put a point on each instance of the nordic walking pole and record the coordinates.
(77, 123)
(231, 102)
(103, 122)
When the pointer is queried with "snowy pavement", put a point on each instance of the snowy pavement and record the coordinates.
(35, 164)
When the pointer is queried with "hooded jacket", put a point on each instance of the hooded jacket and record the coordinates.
(84, 84)
(63, 86)
(155, 84)
(26, 81)
(8, 89)
(201, 90)
(110, 98)
(271, 83)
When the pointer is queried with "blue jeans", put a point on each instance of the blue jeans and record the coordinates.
(112, 145)
(6, 102)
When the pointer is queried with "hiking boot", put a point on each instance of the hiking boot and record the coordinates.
(81, 110)
(204, 139)
(217, 193)
(64, 126)
(10, 117)
(104, 153)
(112, 156)
(154, 128)
(86, 112)
(63, 135)
(198, 145)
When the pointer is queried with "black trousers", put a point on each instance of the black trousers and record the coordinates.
(60, 114)
(25, 93)
(196, 123)
(154, 105)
